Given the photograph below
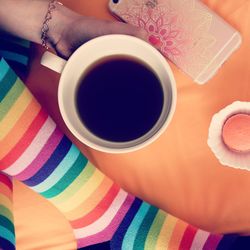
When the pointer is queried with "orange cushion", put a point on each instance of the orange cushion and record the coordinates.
(178, 172)
(38, 224)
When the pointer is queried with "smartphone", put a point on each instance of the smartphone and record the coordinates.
(187, 32)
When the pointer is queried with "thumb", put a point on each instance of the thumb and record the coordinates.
(127, 29)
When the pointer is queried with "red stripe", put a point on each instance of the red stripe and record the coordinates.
(26, 139)
(5, 190)
(99, 210)
(188, 238)
(6, 180)
(43, 156)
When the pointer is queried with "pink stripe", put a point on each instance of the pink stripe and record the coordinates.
(42, 157)
(212, 242)
(6, 180)
(108, 233)
(199, 240)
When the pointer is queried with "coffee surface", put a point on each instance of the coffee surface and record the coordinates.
(119, 99)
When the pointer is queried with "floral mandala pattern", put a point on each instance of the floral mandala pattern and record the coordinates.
(179, 29)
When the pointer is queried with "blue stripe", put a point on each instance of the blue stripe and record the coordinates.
(128, 241)
(60, 171)
(7, 223)
(227, 241)
(4, 69)
(5, 244)
(101, 246)
(144, 228)
(68, 178)
(5, 233)
(23, 43)
(14, 57)
(242, 242)
(16, 40)
(116, 242)
(55, 159)
(7, 78)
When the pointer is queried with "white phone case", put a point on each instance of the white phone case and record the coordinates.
(187, 32)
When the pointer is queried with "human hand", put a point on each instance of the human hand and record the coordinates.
(67, 30)
(79, 29)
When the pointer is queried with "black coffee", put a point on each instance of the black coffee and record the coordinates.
(119, 99)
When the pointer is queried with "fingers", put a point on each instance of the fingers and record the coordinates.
(127, 29)
(87, 28)
(94, 27)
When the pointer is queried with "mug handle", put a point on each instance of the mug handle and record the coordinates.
(53, 62)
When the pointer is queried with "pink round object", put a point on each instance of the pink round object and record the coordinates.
(236, 133)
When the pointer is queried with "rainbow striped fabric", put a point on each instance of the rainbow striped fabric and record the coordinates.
(15, 50)
(102, 215)
(7, 232)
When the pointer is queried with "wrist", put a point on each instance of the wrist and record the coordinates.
(61, 20)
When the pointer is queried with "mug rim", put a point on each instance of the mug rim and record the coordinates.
(142, 144)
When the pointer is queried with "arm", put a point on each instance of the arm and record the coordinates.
(67, 29)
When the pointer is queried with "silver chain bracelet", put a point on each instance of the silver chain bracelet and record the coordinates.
(45, 26)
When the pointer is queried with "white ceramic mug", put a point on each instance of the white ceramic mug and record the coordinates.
(92, 51)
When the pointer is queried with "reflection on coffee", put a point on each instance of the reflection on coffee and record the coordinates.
(119, 98)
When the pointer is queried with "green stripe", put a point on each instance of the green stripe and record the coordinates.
(129, 238)
(5, 233)
(16, 40)
(14, 57)
(67, 179)
(5, 222)
(7, 79)
(76, 185)
(4, 68)
(6, 212)
(23, 43)
(11, 98)
(155, 230)
(142, 233)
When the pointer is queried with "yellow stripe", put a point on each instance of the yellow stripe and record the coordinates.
(91, 202)
(20, 128)
(14, 113)
(5, 201)
(177, 235)
(83, 193)
(155, 230)
(72, 188)
(166, 232)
